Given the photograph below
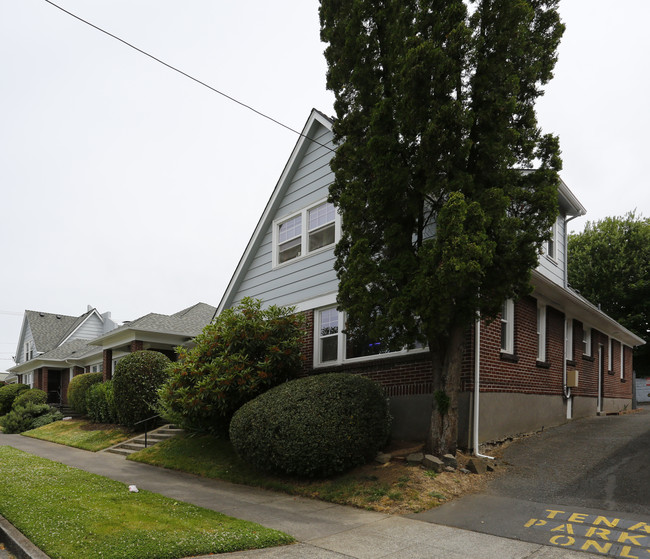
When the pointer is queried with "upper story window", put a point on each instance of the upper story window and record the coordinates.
(551, 244)
(29, 350)
(508, 327)
(291, 240)
(586, 340)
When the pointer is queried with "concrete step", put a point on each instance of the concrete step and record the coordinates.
(138, 443)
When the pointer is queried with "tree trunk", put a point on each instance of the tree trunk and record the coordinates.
(446, 362)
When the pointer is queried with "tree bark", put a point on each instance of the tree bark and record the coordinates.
(446, 363)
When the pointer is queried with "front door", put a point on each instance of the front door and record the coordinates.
(54, 387)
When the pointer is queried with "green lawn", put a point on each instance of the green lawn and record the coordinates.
(72, 514)
(81, 434)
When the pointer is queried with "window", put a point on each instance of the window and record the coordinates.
(508, 327)
(29, 351)
(289, 238)
(541, 332)
(329, 335)
(321, 226)
(586, 340)
(569, 339)
(622, 361)
(610, 355)
(551, 244)
(334, 346)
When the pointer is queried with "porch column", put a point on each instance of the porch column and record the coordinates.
(108, 364)
(44, 378)
(136, 345)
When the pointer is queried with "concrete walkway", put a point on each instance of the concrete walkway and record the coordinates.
(323, 530)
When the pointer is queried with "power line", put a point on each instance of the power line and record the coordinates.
(185, 74)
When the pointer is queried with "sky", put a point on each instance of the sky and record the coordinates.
(131, 188)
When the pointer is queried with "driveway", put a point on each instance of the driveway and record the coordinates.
(584, 485)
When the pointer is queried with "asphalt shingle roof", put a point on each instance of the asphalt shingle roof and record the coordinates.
(49, 329)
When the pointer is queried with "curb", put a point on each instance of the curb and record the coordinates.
(18, 544)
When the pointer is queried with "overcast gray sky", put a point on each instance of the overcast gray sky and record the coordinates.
(128, 187)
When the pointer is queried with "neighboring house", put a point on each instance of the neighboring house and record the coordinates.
(527, 359)
(50, 345)
(3, 377)
(159, 332)
(57, 348)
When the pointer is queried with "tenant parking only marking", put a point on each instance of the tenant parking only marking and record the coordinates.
(607, 535)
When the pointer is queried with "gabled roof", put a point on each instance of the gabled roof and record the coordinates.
(185, 323)
(49, 329)
(61, 355)
(316, 119)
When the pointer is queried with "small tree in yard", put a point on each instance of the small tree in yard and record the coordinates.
(244, 352)
(437, 135)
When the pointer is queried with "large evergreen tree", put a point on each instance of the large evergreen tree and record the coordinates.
(609, 263)
(437, 133)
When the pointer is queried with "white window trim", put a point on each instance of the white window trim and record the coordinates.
(552, 255)
(341, 359)
(622, 361)
(569, 339)
(304, 233)
(610, 355)
(541, 332)
(510, 327)
(586, 340)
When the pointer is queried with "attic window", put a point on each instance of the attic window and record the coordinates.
(304, 232)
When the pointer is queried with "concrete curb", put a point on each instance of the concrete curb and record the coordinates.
(18, 544)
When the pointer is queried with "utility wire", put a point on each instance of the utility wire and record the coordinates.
(230, 98)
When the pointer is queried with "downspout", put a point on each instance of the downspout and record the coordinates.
(566, 391)
(477, 388)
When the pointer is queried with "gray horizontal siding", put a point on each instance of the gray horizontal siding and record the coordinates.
(311, 275)
(554, 270)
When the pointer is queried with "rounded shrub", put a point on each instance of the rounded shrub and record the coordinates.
(8, 393)
(78, 389)
(313, 427)
(24, 418)
(33, 395)
(100, 402)
(136, 382)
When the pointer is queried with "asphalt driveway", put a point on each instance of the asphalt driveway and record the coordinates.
(584, 485)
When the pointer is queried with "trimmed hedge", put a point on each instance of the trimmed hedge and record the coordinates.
(313, 427)
(8, 393)
(136, 382)
(27, 417)
(33, 395)
(78, 390)
(100, 401)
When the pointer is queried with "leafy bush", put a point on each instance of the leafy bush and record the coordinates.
(33, 395)
(78, 389)
(136, 382)
(243, 353)
(314, 427)
(24, 418)
(100, 401)
(8, 394)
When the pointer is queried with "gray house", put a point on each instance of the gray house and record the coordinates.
(549, 357)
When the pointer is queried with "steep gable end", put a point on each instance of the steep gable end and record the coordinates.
(303, 184)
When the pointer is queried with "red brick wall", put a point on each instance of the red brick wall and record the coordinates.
(521, 372)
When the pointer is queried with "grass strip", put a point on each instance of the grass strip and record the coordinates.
(81, 434)
(72, 514)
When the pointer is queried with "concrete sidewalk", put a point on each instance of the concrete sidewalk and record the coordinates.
(323, 530)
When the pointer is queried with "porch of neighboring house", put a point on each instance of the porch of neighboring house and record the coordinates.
(54, 382)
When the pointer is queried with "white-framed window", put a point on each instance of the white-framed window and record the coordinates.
(569, 339)
(508, 327)
(334, 346)
(541, 332)
(586, 340)
(610, 355)
(622, 361)
(29, 350)
(551, 244)
(302, 233)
